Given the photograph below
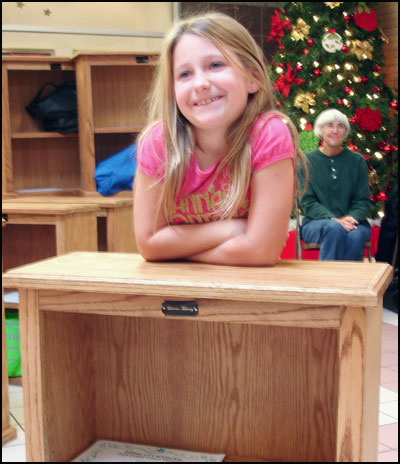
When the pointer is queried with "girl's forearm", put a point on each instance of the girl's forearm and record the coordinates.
(181, 241)
(240, 251)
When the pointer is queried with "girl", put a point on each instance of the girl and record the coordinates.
(215, 178)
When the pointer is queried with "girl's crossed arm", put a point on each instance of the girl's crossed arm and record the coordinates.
(267, 226)
(259, 240)
(158, 241)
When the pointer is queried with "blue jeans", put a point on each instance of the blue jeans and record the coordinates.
(336, 243)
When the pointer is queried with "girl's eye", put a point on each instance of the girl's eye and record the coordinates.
(216, 65)
(184, 74)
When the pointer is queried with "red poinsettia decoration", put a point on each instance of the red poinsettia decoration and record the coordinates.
(277, 28)
(285, 80)
(369, 119)
(365, 17)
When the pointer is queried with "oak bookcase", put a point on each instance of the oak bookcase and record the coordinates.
(111, 89)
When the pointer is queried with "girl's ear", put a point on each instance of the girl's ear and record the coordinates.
(253, 87)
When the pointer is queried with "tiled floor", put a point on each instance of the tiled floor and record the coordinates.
(14, 451)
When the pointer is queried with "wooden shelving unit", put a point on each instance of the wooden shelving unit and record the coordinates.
(111, 89)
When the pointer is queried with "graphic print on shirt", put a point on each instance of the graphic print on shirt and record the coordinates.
(201, 207)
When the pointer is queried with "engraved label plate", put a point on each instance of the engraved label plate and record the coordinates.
(180, 308)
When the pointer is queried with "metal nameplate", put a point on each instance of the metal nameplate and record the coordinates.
(180, 308)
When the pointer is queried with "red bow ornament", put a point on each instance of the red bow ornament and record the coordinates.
(285, 80)
(277, 28)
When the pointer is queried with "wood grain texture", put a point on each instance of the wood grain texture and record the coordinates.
(248, 390)
(388, 16)
(39, 230)
(31, 368)
(102, 202)
(19, 250)
(241, 312)
(351, 383)
(281, 364)
(372, 365)
(288, 282)
(45, 208)
(85, 122)
(115, 234)
(120, 230)
(8, 432)
(6, 154)
(68, 386)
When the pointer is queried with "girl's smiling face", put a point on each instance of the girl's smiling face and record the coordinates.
(210, 92)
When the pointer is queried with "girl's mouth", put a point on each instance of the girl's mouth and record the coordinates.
(207, 101)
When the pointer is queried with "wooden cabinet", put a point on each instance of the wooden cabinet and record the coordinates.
(111, 94)
(279, 363)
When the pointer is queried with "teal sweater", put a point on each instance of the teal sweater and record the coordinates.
(338, 186)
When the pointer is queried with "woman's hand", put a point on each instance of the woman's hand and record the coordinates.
(348, 222)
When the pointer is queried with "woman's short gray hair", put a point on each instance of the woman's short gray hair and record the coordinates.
(328, 116)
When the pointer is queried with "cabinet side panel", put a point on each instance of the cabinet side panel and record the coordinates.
(68, 384)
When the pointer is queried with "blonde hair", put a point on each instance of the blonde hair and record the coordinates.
(234, 41)
(328, 116)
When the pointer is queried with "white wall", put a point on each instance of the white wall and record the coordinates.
(124, 18)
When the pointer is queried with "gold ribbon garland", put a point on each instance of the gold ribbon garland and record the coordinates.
(300, 30)
(304, 101)
(362, 49)
(372, 178)
(333, 4)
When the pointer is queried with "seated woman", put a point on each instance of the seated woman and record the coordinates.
(337, 199)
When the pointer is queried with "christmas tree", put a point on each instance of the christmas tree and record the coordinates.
(329, 55)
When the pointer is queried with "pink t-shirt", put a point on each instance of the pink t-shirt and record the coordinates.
(201, 193)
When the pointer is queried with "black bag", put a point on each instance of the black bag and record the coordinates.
(58, 111)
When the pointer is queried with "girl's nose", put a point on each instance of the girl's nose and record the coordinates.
(201, 81)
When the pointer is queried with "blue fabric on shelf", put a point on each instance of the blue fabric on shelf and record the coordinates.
(116, 173)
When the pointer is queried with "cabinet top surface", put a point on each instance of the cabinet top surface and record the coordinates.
(35, 59)
(115, 53)
(46, 208)
(300, 282)
(104, 202)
